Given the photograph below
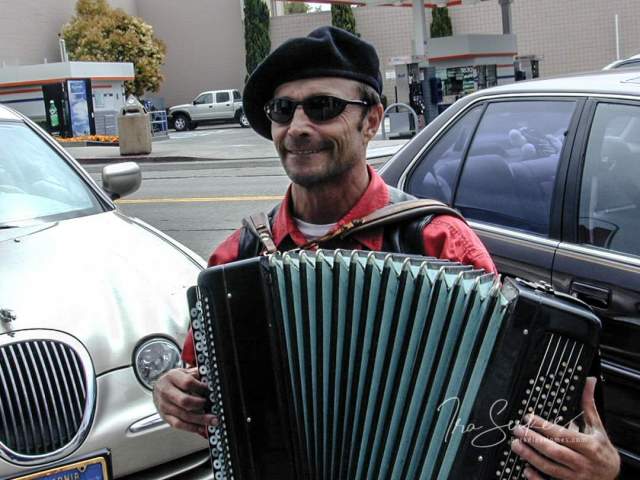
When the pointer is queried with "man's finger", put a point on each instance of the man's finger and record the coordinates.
(199, 419)
(175, 422)
(571, 438)
(189, 381)
(541, 463)
(553, 449)
(591, 416)
(531, 474)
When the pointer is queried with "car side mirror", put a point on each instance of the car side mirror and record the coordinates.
(121, 179)
(195, 103)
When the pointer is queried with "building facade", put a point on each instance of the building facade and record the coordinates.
(568, 36)
(205, 38)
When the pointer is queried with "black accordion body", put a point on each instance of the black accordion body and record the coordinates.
(358, 365)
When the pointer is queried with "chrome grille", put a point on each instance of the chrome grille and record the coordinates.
(46, 396)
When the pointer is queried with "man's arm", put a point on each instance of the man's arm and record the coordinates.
(179, 395)
(450, 238)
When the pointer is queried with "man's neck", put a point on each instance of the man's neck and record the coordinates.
(329, 202)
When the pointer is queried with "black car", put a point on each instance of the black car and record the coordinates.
(547, 173)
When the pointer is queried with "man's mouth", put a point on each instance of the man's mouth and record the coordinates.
(304, 152)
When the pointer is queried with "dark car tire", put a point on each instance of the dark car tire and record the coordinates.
(242, 119)
(181, 122)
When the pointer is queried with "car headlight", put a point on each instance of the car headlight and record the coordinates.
(153, 358)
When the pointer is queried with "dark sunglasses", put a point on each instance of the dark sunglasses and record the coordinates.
(319, 108)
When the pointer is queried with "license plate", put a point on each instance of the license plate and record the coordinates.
(91, 469)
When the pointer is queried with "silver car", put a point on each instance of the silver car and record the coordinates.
(92, 311)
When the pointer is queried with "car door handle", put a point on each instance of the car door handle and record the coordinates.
(210, 106)
(228, 104)
(594, 296)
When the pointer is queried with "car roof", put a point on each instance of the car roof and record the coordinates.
(609, 82)
(7, 114)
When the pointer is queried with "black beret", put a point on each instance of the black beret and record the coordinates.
(325, 52)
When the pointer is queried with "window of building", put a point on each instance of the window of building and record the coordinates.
(509, 174)
(610, 188)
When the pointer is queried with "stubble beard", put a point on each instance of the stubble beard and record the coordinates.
(333, 167)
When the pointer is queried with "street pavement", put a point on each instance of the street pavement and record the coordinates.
(209, 143)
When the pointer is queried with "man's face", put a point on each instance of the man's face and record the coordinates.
(314, 153)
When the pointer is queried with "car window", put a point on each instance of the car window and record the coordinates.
(629, 64)
(509, 174)
(204, 98)
(236, 95)
(436, 173)
(610, 187)
(222, 97)
(36, 184)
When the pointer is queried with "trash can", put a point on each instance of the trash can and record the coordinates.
(134, 128)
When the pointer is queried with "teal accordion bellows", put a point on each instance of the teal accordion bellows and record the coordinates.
(359, 365)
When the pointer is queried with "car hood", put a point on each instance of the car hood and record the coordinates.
(105, 279)
(178, 107)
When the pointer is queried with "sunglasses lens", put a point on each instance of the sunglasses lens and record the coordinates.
(323, 108)
(280, 110)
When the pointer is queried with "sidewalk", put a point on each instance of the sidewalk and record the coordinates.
(209, 145)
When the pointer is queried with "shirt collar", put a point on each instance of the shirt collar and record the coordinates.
(374, 197)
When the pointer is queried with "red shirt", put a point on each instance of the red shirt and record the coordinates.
(444, 237)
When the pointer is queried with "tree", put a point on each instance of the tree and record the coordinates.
(100, 33)
(342, 17)
(441, 23)
(296, 7)
(256, 33)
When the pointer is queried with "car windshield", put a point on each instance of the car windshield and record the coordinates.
(36, 184)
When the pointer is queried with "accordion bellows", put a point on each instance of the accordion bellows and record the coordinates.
(360, 365)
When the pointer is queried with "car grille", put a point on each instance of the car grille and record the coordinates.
(44, 392)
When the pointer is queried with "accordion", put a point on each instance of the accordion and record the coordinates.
(360, 365)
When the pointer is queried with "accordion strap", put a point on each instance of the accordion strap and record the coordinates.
(390, 214)
(260, 226)
(399, 212)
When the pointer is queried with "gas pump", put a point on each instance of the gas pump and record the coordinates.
(414, 87)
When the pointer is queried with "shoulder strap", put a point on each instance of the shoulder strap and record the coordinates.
(256, 235)
(391, 214)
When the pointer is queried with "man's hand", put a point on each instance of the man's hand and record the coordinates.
(568, 454)
(179, 396)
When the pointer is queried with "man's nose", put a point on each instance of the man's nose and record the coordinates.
(299, 121)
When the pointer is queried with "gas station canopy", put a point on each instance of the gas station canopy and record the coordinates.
(399, 3)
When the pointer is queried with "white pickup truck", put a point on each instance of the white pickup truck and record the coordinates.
(215, 106)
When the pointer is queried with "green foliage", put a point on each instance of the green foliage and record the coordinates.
(296, 7)
(342, 17)
(99, 33)
(257, 41)
(441, 23)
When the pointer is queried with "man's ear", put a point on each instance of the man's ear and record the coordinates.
(372, 121)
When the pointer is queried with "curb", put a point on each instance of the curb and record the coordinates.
(167, 159)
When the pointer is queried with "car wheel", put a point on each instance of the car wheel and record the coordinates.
(181, 122)
(243, 120)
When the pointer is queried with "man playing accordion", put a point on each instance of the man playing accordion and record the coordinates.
(318, 99)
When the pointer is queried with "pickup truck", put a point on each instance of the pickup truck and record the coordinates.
(215, 106)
